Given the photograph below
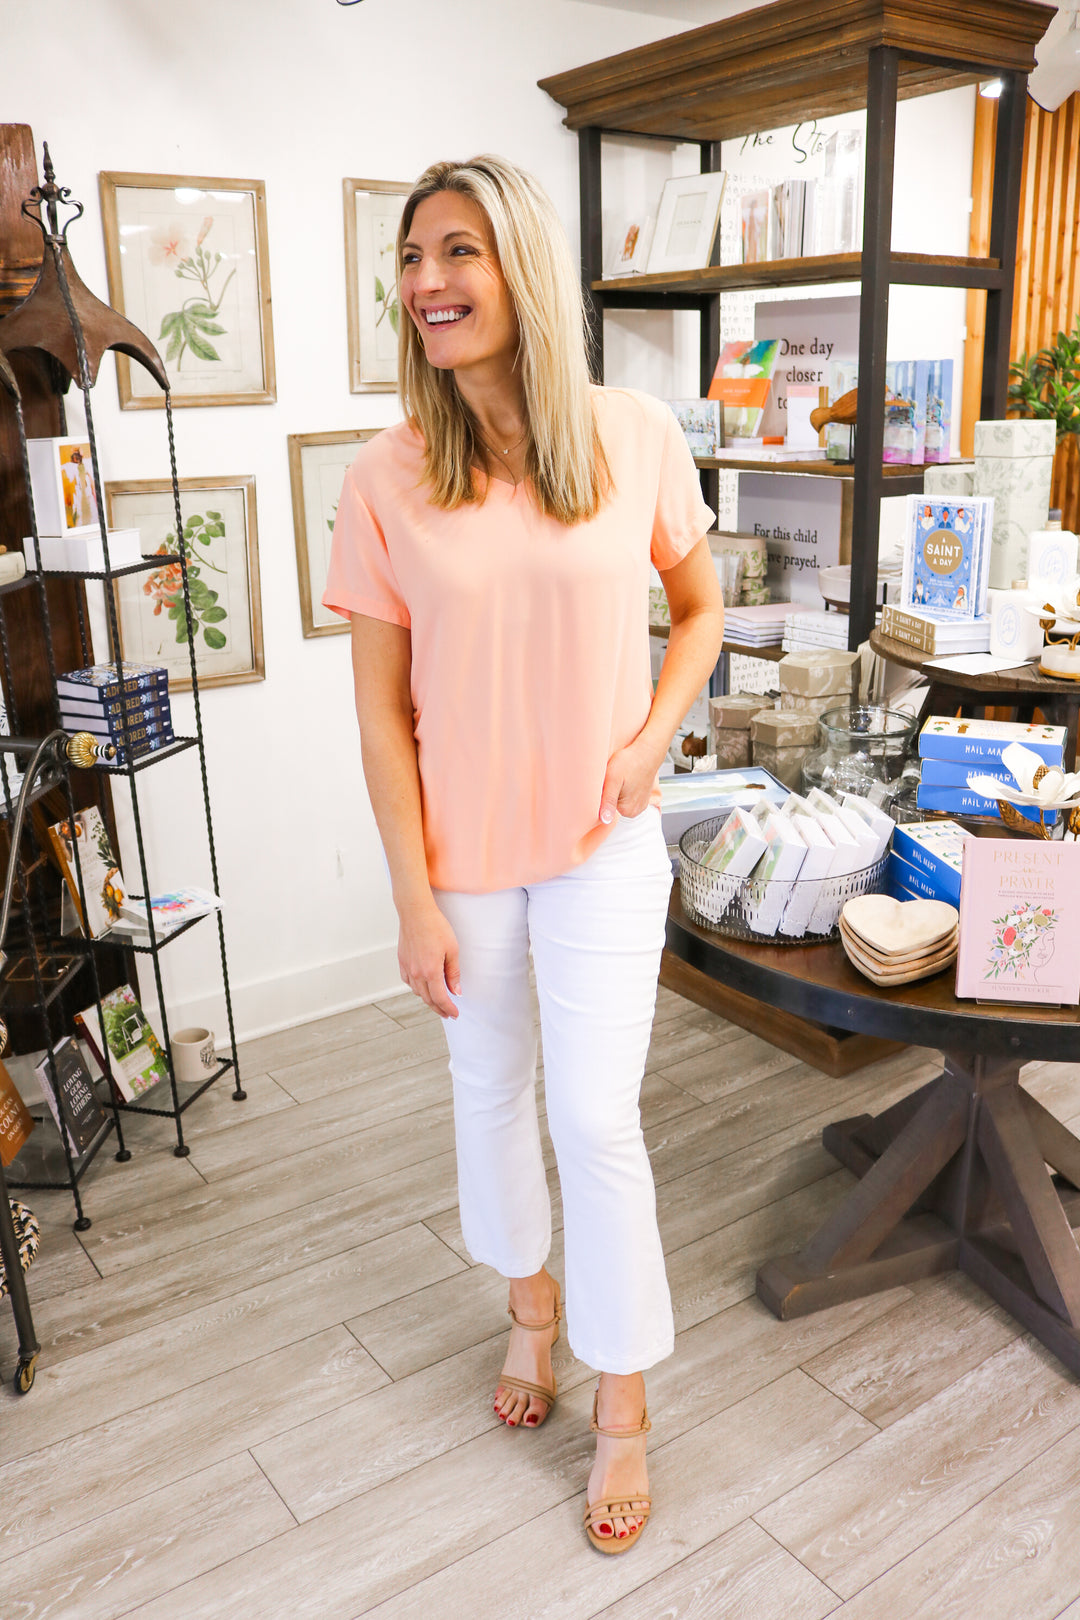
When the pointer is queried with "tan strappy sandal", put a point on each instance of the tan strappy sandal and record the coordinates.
(634, 1507)
(522, 1386)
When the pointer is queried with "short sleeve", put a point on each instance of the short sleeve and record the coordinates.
(361, 576)
(682, 516)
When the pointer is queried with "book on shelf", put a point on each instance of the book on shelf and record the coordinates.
(754, 210)
(101, 880)
(742, 380)
(142, 731)
(947, 554)
(151, 703)
(101, 681)
(70, 1094)
(1018, 939)
(16, 1120)
(136, 1059)
(701, 424)
(170, 911)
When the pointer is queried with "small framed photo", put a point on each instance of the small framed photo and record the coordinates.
(221, 544)
(318, 463)
(688, 223)
(372, 215)
(188, 263)
(630, 251)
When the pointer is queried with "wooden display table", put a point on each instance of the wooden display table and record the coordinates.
(954, 1176)
(1023, 690)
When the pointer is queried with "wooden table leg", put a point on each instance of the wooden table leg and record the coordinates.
(971, 1152)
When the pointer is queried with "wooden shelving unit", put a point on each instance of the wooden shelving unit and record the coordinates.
(788, 63)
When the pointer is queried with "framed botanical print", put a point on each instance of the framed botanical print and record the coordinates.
(318, 463)
(188, 263)
(372, 214)
(220, 542)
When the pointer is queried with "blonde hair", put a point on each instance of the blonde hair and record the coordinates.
(564, 458)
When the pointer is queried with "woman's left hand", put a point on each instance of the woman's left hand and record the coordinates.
(629, 780)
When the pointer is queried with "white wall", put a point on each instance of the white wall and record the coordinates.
(298, 93)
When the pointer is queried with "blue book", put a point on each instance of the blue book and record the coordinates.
(983, 741)
(903, 881)
(947, 554)
(954, 773)
(959, 801)
(936, 848)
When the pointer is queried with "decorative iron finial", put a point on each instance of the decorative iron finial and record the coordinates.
(48, 198)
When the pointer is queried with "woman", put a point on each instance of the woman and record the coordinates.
(492, 552)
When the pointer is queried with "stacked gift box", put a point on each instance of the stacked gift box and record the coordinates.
(729, 726)
(951, 750)
(131, 712)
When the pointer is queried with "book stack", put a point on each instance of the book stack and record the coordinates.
(807, 629)
(952, 750)
(95, 700)
(935, 634)
(756, 626)
(926, 861)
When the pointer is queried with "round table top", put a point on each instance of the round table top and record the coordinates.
(818, 982)
(1007, 684)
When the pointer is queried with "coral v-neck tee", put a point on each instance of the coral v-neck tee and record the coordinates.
(530, 645)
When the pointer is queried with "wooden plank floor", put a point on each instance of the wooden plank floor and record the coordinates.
(265, 1379)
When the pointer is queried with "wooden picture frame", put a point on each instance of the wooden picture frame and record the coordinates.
(316, 485)
(188, 262)
(228, 610)
(372, 211)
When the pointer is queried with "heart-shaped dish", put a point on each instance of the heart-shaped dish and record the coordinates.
(894, 928)
(903, 973)
(902, 958)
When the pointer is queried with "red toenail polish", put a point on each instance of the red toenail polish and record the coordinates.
(605, 1529)
(530, 1420)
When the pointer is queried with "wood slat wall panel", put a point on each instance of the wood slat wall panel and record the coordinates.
(1047, 286)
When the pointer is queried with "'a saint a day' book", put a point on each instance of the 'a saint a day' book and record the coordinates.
(947, 555)
(1018, 935)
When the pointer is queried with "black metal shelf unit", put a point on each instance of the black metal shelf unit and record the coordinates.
(800, 62)
(71, 330)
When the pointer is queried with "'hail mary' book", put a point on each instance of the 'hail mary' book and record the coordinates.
(1018, 935)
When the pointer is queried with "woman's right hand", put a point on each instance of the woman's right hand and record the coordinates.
(428, 958)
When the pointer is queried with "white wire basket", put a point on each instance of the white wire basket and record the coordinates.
(759, 909)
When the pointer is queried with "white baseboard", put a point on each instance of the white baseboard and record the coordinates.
(264, 1006)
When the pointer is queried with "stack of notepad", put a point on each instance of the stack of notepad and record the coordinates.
(895, 942)
(805, 630)
(756, 626)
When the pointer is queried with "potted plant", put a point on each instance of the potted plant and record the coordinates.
(1047, 384)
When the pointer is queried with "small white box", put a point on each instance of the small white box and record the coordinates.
(1052, 557)
(1014, 632)
(84, 553)
(802, 398)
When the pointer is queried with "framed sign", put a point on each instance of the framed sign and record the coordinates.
(221, 544)
(372, 214)
(318, 463)
(187, 262)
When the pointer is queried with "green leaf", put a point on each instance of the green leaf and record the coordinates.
(176, 346)
(198, 593)
(182, 630)
(214, 615)
(380, 292)
(215, 530)
(199, 346)
(214, 639)
(394, 316)
(168, 322)
(205, 324)
(214, 516)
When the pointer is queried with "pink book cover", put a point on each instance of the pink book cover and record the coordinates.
(1018, 934)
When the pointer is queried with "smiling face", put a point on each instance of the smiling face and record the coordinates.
(454, 289)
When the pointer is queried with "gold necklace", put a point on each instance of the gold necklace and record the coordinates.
(486, 441)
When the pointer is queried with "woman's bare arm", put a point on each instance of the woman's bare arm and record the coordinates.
(382, 668)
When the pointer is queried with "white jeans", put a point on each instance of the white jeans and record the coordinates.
(596, 933)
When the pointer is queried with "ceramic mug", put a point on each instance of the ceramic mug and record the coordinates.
(193, 1054)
